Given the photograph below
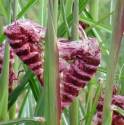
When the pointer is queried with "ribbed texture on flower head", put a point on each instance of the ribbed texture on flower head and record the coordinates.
(78, 60)
(81, 60)
(24, 37)
(117, 119)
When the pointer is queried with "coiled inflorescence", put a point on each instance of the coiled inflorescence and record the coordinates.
(78, 60)
(117, 119)
(82, 59)
(24, 37)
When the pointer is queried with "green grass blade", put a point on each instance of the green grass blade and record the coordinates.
(94, 24)
(23, 104)
(2, 38)
(52, 96)
(74, 116)
(64, 17)
(3, 9)
(20, 88)
(93, 97)
(24, 120)
(4, 80)
(35, 87)
(26, 7)
(62, 28)
(94, 9)
(114, 53)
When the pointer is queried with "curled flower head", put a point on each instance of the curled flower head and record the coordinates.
(117, 119)
(24, 37)
(81, 60)
(78, 60)
(26, 30)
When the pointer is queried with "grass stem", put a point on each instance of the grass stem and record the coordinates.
(94, 9)
(75, 36)
(114, 53)
(12, 110)
(4, 79)
(52, 96)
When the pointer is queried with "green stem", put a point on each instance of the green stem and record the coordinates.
(93, 95)
(14, 7)
(112, 8)
(52, 95)
(75, 21)
(114, 52)
(94, 9)
(12, 110)
(64, 17)
(4, 80)
(42, 13)
(75, 36)
(24, 120)
(74, 112)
